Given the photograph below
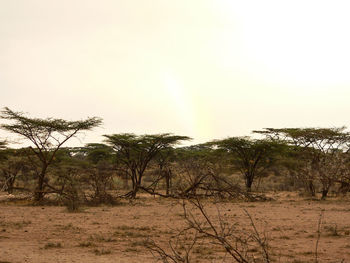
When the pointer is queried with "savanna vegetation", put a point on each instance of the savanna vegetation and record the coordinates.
(314, 163)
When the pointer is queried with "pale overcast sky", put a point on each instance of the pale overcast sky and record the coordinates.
(206, 69)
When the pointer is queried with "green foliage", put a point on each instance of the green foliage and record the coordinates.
(47, 136)
(144, 146)
(314, 156)
(137, 151)
(82, 176)
(35, 128)
(198, 151)
(97, 152)
(318, 153)
(193, 169)
(203, 170)
(322, 139)
(251, 157)
(101, 166)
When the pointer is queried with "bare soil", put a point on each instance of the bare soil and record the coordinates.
(40, 234)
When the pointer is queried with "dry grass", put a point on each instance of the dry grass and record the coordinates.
(118, 234)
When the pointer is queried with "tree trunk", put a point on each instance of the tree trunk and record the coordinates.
(249, 182)
(11, 184)
(168, 181)
(135, 189)
(136, 183)
(39, 192)
(324, 194)
(311, 188)
(39, 195)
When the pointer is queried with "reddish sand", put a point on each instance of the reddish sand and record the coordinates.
(115, 234)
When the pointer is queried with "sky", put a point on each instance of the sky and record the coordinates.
(208, 69)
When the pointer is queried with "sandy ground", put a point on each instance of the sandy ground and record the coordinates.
(116, 234)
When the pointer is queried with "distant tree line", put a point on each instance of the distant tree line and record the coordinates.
(310, 160)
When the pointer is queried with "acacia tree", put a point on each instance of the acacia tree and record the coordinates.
(137, 151)
(46, 137)
(83, 174)
(66, 173)
(163, 160)
(321, 149)
(251, 157)
(344, 179)
(194, 167)
(298, 166)
(100, 168)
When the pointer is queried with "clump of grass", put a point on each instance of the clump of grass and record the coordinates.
(130, 234)
(68, 227)
(86, 244)
(307, 253)
(285, 237)
(131, 249)
(332, 230)
(100, 252)
(16, 225)
(53, 245)
(167, 232)
(141, 228)
(101, 238)
(133, 232)
(142, 243)
(276, 229)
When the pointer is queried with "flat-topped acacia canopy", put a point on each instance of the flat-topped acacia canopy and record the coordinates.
(46, 135)
(136, 151)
